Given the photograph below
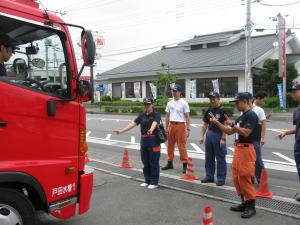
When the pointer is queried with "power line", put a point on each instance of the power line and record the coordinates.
(286, 4)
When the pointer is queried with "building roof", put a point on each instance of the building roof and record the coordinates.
(294, 58)
(181, 61)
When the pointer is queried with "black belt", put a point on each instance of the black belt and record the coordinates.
(177, 122)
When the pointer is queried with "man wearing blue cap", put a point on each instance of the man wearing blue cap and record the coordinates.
(243, 163)
(215, 141)
(295, 130)
(7, 48)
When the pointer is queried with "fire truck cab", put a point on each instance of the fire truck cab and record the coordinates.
(42, 121)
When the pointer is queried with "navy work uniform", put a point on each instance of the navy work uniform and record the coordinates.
(150, 147)
(2, 70)
(213, 150)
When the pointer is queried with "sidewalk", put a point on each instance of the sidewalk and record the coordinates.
(283, 117)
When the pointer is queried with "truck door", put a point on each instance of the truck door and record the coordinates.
(39, 125)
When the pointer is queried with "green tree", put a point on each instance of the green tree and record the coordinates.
(270, 77)
(164, 79)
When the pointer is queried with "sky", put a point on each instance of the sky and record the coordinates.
(134, 28)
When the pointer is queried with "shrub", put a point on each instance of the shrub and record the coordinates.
(271, 102)
(160, 109)
(137, 109)
(193, 111)
(116, 99)
(125, 110)
(111, 109)
(105, 98)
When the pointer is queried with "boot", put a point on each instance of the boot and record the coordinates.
(249, 209)
(168, 166)
(240, 207)
(184, 166)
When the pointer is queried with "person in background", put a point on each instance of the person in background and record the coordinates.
(295, 130)
(149, 146)
(178, 127)
(215, 141)
(243, 163)
(7, 48)
(259, 100)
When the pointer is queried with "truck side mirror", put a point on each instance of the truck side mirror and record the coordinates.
(88, 48)
(85, 90)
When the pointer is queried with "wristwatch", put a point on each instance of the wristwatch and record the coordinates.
(232, 124)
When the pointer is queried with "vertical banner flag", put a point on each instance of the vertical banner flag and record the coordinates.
(215, 84)
(109, 90)
(153, 90)
(193, 89)
(172, 85)
(123, 90)
(283, 39)
(137, 88)
(280, 95)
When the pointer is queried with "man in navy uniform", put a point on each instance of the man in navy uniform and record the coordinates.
(7, 48)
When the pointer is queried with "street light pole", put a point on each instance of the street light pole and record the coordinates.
(248, 55)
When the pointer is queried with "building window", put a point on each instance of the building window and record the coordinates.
(228, 86)
(116, 90)
(129, 89)
(160, 90)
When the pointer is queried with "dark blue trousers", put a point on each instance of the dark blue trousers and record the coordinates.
(213, 152)
(297, 156)
(259, 164)
(150, 158)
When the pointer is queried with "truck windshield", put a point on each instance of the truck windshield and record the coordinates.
(39, 62)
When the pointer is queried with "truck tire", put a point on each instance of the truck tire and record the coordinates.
(15, 208)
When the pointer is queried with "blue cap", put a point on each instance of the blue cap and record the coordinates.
(177, 87)
(148, 100)
(213, 94)
(241, 96)
(8, 42)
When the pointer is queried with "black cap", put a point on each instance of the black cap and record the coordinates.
(8, 42)
(213, 94)
(241, 96)
(249, 94)
(295, 87)
(148, 100)
(177, 87)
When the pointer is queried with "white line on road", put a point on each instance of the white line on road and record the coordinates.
(163, 145)
(275, 130)
(285, 157)
(88, 133)
(197, 148)
(194, 125)
(108, 137)
(132, 140)
(269, 164)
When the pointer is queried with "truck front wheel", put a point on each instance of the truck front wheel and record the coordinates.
(15, 208)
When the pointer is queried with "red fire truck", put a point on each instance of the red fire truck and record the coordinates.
(42, 121)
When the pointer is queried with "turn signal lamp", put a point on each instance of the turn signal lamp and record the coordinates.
(83, 147)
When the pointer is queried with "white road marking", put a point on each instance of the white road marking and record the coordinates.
(132, 140)
(88, 133)
(285, 157)
(117, 121)
(108, 119)
(108, 137)
(194, 125)
(231, 148)
(88, 119)
(197, 148)
(269, 164)
(163, 145)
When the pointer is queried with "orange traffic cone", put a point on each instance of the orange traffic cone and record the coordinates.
(86, 159)
(125, 163)
(207, 216)
(263, 186)
(190, 174)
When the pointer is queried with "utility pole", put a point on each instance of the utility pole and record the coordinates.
(248, 55)
(282, 55)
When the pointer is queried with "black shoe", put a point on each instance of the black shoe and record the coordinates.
(168, 166)
(205, 180)
(240, 207)
(184, 166)
(220, 183)
(249, 209)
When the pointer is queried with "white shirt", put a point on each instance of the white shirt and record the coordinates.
(259, 112)
(177, 110)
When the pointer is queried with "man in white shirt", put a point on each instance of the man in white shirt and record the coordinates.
(178, 127)
(259, 100)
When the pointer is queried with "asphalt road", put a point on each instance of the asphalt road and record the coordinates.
(121, 201)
